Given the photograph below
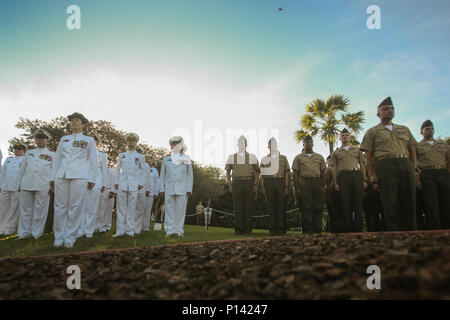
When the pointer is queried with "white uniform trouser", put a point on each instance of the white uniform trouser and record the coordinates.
(126, 210)
(33, 213)
(109, 210)
(102, 222)
(92, 209)
(141, 205)
(148, 212)
(70, 206)
(9, 211)
(175, 211)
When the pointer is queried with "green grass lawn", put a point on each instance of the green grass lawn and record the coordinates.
(11, 247)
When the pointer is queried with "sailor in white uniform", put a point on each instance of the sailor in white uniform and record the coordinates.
(74, 173)
(107, 202)
(131, 179)
(143, 194)
(176, 186)
(93, 199)
(112, 198)
(35, 176)
(154, 191)
(9, 191)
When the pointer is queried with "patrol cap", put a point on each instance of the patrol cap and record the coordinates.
(41, 134)
(19, 146)
(131, 135)
(345, 131)
(77, 115)
(426, 123)
(308, 138)
(94, 135)
(386, 102)
(175, 139)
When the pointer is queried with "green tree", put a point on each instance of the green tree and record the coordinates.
(326, 119)
(112, 139)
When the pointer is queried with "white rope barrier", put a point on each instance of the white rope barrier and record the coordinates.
(195, 214)
(232, 214)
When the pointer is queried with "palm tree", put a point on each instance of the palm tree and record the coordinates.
(325, 118)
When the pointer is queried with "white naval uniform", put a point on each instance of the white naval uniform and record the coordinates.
(154, 191)
(9, 196)
(141, 204)
(75, 165)
(106, 204)
(93, 199)
(110, 202)
(35, 176)
(131, 174)
(176, 181)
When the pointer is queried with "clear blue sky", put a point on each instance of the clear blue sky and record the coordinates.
(155, 67)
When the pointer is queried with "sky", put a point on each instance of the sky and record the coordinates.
(211, 70)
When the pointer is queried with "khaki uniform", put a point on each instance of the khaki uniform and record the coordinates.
(350, 180)
(432, 160)
(395, 174)
(242, 169)
(310, 170)
(273, 170)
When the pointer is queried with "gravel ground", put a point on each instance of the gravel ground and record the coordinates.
(414, 265)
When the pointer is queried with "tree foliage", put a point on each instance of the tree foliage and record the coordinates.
(326, 119)
(112, 139)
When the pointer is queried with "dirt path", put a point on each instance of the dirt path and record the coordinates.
(413, 265)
